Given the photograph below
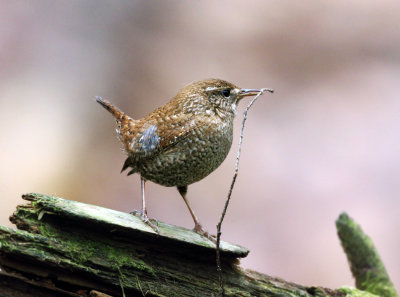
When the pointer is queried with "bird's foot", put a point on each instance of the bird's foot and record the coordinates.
(199, 229)
(146, 219)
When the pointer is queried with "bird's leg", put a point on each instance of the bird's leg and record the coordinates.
(197, 226)
(143, 213)
(142, 187)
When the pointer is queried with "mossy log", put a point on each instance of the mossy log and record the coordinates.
(67, 248)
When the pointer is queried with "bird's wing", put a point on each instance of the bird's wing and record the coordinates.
(152, 137)
(174, 131)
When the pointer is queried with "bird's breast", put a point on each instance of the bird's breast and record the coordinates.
(192, 158)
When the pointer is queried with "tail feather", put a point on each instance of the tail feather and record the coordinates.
(116, 112)
(127, 164)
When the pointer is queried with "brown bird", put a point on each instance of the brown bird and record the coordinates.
(183, 141)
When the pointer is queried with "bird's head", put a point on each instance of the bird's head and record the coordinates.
(214, 94)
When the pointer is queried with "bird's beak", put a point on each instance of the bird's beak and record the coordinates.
(252, 92)
(248, 92)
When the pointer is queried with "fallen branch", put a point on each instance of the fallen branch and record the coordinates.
(66, 248)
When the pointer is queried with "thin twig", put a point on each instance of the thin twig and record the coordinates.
(218, 257)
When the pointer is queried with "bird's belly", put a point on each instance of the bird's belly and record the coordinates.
(187, 162)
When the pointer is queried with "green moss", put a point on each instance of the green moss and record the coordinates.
(317, 292)
(353, 292)
(378, 284)
(233, 292)
(84, 250)
(365, 263)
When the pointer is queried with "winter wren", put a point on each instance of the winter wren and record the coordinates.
(183, 141)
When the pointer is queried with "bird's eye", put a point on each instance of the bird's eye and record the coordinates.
(226, 92)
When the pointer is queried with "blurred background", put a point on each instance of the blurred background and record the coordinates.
(327, 141)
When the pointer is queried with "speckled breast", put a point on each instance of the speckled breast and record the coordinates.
(190, 160)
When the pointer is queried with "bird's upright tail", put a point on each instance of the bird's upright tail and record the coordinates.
(116, 112)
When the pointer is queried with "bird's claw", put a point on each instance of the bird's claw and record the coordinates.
(146, 219)
(199, 230)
